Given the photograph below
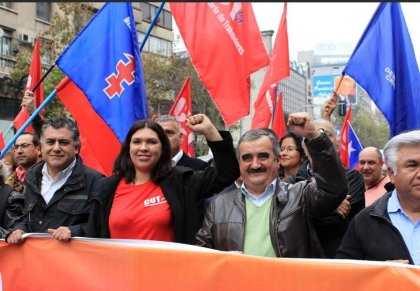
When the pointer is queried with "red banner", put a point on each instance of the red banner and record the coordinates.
(35, 74)
(278, 69)
(89, 264)
(181, 110)
(225, 47)
(344, 139)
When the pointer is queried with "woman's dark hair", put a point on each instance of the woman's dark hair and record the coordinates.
(123, 165)
(298, 141)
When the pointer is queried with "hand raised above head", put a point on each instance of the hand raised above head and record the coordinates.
(301, 124)
(201, 124)
(329, 106)
(28, 101)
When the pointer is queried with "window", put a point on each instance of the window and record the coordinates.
(6, 43)
(6, 4)
(145, 8)
(167, 19)
(158, 46)
(43, 11)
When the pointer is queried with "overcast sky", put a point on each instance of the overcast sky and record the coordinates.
(311, 23)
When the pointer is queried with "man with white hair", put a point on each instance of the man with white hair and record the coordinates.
(394, 219)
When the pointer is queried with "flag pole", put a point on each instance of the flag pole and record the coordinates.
(43, 77)
(274, 108)
(338, 86)
(8, 130)
(27, 122)
(35, 87)
(149, 30)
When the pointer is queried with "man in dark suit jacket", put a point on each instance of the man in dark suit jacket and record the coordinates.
(172, 129)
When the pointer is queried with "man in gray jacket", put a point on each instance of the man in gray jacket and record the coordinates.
(267, 217)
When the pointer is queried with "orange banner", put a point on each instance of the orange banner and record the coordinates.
(90, 264)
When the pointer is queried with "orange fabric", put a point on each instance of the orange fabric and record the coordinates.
(182, 109)
(225, 47)
(279, 68)
(48, 264)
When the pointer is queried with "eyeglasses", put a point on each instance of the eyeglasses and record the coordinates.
(22, 145)
(288, 149)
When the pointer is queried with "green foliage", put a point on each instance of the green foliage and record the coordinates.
(372, 129)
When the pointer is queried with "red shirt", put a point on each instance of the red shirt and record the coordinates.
(140, 212)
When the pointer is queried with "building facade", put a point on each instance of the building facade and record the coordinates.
(326, 64)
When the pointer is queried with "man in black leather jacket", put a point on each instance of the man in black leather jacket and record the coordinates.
(267, 217)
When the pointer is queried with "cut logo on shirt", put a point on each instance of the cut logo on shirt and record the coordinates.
(154, 201)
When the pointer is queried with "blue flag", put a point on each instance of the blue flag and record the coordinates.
(355, 147)
(104, 62)
(384, 64)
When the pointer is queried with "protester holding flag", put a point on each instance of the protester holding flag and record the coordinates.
(29, 104)
(149, 199)
(172, 130)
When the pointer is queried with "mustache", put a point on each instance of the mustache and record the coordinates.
(258, 170)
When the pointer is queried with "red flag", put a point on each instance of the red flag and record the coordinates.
(344, 139)
(279, 68)
(2, 144)
(182, 109)
(35, 74)
(225, 46)
(279, 125)
(98, 152)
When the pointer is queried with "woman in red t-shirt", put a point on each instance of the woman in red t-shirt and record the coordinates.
(149, 199)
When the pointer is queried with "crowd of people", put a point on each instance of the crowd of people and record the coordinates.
(273, 196)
